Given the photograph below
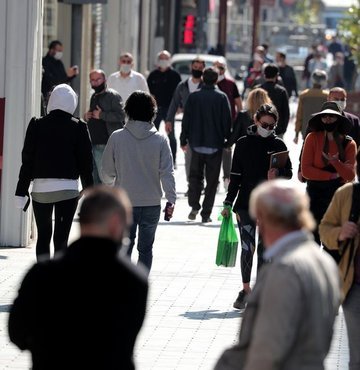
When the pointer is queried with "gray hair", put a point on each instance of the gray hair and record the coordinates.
(283, 204)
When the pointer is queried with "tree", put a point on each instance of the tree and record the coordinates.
(307, 12)
(349, 28)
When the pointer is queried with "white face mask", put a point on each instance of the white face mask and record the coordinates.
(220, 78)
(125, 68)
(341, 104)
(58, 55)
(263, 132)
(164, 63)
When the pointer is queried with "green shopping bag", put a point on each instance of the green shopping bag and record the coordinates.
(227, 242)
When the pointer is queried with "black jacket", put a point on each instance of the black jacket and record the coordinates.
(250, 164)
(112, 116)
(287, 74)
(54, 73)
(279, 97)
(82, 310)
(56, 146)
(207, 119)
(355, 131)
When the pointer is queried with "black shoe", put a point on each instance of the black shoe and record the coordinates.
(206, 220)
(240, 302)
(192, 214)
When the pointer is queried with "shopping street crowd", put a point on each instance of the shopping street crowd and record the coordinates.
(308, 245)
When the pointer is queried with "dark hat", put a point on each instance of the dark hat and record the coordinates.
(330, 107)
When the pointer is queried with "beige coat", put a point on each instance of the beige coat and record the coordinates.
(336, 215)
(288, 321)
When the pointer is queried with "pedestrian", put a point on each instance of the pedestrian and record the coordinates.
(298, 289)
(56, 152)
(279, 97)
(327, 159)
(229, 87)
(206, 126)
(245, 118)
(54, 72)
(339, 96)
(162, 83)
(287, 74)
(105, 115)
(84, 309)
(126, 80)
(310, 102)
(343, 235)
(138, 159)
(251, 166)
(178, 101)
(336, 71)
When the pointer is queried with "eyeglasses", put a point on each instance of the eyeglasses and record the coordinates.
(268, 126)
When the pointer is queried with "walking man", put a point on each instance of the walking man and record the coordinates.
(162, 83)
(298, 289)
(106, 114)
(84, 309)
(205, 127)
(126, 80)
(138, 158)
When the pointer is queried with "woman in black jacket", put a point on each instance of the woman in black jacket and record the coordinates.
(250, 166)
(57, 150)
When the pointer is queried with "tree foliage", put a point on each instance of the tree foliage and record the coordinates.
(307, 12)
(349, 28)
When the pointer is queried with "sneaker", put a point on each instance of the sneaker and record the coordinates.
(206, 220)
(192, 214)
(240, 302)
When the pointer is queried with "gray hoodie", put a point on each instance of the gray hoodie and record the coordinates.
(138, 159)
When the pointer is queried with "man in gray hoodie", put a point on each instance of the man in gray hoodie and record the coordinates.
(138, 159)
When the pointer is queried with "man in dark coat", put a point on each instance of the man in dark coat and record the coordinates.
(279, 97)
(84, 309)
(206, 125)
(54, 72)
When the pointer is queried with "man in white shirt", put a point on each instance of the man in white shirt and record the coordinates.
(126, 80)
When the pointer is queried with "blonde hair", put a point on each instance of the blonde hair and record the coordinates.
(256, 98)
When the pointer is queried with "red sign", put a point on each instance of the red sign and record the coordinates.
(189, 30)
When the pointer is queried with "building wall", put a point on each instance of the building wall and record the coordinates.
(20, 76)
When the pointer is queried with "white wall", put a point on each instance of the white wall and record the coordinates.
(20, 77)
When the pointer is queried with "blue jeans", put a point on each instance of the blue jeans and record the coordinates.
(98, 151)
(145, 219)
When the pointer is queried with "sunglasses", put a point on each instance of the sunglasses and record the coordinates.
(268, 126)
(329, 116)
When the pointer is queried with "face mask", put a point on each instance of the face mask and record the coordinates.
(196, 73)
(263, 132)
(58, 55)
(99, 88)
(125, 68)
(341, 104)
(330, 127)
(220, 78)
(164, 63)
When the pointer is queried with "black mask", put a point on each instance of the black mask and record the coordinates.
(99, 88)
(196, 73)
(330, 127)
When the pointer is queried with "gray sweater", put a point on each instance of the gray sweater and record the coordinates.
(138, 159)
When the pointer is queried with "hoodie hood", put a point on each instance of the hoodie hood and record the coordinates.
(140, 129)
(63, 97)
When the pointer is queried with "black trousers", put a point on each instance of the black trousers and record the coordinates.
(161, 116)
(64, 214)
(210, 164)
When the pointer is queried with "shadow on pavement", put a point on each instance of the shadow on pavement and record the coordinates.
(212, 314)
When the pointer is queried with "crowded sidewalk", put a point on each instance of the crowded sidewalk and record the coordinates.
(190, 319)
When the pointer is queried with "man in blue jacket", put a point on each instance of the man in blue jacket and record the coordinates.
(206, 125)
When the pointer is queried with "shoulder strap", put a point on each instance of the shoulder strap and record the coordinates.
(355, 203)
